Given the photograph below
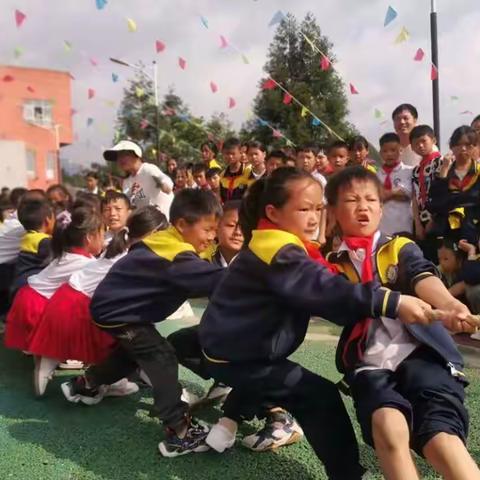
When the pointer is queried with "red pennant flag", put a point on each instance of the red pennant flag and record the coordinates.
(182, 63)
(144, 124)
(269, 84)
(434, 72)
(223, 42)
(93, 62)
(8, 78)
(353, 90)
(30, 89)
(277, 134)
(231, 102)
(213, 87)
(19, 18)
(159, 46)
(324, 63)
(91, 93)
(287, 99)
(419, 55)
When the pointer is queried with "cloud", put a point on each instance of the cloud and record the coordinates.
(384, 73)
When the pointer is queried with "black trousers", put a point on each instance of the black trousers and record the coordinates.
(314, 401)
(142, 346)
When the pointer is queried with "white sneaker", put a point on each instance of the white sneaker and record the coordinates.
(475, 336)
(189, 397)
(220, 438)
(43, 373)
(122, 388)
(218, 392)
(71, 365)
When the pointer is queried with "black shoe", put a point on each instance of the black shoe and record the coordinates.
(193, 441)
(76, 391)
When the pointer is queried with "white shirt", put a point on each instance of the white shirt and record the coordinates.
(148, 177)
(389, 342)
(409, 157)
(57, 273)
(87, 279)
(10, 238)
(397, 215)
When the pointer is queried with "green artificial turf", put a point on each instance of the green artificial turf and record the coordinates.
(117, 439)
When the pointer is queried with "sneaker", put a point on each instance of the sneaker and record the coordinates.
(220, 438)
(280, 429)
(43, 373)
(218, 392)
(71, 365)
(193, 441)
(76, 391)
(122, 388)
(189, 397)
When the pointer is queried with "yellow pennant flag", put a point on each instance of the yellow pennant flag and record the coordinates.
(132, 26)
(67, 46)
(110, 103)
(312, 45)
(403, 36)
(245, 59)
(304, 111)
(139, 92)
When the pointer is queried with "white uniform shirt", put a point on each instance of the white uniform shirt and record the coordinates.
(148, 178)
(409, 157)
(57, 273)
(397, 215)
(10, 238)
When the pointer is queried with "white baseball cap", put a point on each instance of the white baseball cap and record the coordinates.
(110, 155)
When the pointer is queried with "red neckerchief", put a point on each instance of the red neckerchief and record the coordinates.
(455, 184)
(422, 186)
(387, 183)
(80, 251)
(312, 249)
(357, 341)
(328, 170)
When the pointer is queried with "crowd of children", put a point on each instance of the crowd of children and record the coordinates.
(85, 280)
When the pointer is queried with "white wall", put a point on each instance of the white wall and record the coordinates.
(13, 164)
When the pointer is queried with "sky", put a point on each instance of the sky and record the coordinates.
(384, 73)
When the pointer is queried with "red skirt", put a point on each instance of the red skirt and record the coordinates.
(23, 317)
(66, 330)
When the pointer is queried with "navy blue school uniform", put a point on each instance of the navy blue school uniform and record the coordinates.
(151, 282)
(258, 316)
(428, 385)
(33, 257)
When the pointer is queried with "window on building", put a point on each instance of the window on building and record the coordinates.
(31, 163)
(51, 166)
(38, 112)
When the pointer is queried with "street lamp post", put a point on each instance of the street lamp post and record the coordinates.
(435, 79)
(154, 78)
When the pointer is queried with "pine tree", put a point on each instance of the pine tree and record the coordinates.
(295, 64)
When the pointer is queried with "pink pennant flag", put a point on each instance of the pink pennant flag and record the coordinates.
(182, 63)
(324, 63)
(419, 55)
(353, 90)
(144, 124)
(466, 112)
(159, 46)
(94, 62)
(276, 134)
(19, 18)
(434, 73)
(269, 84)
(31, 89)
(231, 102)
(287, 99)
(91, 93)
(73, 112)
(169, 111)
(213, 87)
(223, 42)
(8, 78)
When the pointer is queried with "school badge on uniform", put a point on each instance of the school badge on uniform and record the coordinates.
(392, 273)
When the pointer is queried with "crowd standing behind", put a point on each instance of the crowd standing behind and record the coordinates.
(84, 280)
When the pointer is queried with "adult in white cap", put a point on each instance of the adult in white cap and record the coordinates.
(146, 184)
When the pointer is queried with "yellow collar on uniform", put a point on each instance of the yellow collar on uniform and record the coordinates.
(167, 243)
(266, 243)
(30, 241)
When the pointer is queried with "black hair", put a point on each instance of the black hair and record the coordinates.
(345, 178)
(143, 221)
(71, 229)
(358, 141)
(231, 205)
(459, 132)
(87, 200)
(230, 143)
(33, 213)
(199, 168)
(211, 172)
(405, 106)
(92, 174)
(66, 204)
(192, 204)
(337, 144)
(34, 194)
(476, 119)
(308, 147)
(389, 137)
(112, 196)
(256, 144)
(277, 154)
(420, 131)
(211, 145)
(265, 191)
(450, 244)
(16, 196)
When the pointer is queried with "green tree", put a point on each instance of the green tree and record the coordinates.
(295, 64)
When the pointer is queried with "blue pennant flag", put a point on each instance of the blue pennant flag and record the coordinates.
(89, 121)
(263, 123)
(114, 77)
(184, 117)
(204, 21)
(277, 18)
(316, 122)
(101, 4)
(390, 16)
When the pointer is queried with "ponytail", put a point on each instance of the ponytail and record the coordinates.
(140, 223)
(250, 209)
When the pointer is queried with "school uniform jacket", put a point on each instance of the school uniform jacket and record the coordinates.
(234, 185)
(33, 257)
(400, 265)
(152, 281)
(261, 308)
